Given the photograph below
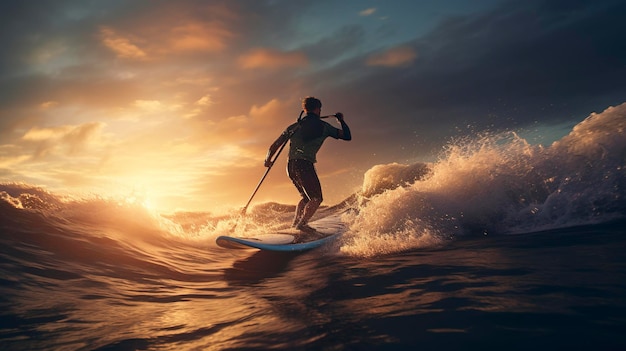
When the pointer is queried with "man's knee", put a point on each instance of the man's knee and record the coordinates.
(317, 199)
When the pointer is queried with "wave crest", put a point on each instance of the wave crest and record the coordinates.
(497, 184)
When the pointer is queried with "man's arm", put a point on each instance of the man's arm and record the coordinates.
(280, 141)
(344, 133)
(272, 150)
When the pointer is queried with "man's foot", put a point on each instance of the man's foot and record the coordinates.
(305, 227)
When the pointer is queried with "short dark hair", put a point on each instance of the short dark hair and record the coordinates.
(310, 103)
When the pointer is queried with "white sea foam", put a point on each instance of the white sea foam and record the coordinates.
(495, 184)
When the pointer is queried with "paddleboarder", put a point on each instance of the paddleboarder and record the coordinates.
(306, 138)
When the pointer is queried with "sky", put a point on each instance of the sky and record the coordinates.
(174, 103)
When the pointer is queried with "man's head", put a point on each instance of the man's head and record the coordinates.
(311, 104)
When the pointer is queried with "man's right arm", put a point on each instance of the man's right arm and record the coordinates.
(344, 133)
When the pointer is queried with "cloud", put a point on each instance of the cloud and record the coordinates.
(261, 120)
(78, 136)
(48, 105)
(40, 134)
(202, 37)
(71, 138)
(205, 101)
(266, 58)
(121, 46)
(343, 43)
(367, 12)
(148, 105)
(270, 108)
(10, 156)
(505, 68)
(395, 57)
(266, 115)
(150, 41)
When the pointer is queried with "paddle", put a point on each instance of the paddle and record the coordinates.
(245, 208)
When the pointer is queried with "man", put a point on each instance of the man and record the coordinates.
(306, 138)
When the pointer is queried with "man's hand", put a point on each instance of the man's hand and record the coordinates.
(344, 133)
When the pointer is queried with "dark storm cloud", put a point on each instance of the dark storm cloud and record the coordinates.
(533, 54)
(504, 68)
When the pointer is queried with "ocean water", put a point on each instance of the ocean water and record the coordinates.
(499, 244)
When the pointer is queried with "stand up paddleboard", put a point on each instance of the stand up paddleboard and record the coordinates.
(327, 230)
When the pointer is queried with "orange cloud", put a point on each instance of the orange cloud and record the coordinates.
(271, 108)
(47, 105)
(265, 58)
(164, 40)
(73, 138)
(11, 155)
(395, 57)
(206, 100)
(148, 105)
(123, 47)
(206, 37)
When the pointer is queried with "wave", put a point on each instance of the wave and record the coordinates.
(491, 184)
(497, 183)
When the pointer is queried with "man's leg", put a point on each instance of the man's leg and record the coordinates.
(295, 174)
(309, 211)
(313, 191)
(299, 211)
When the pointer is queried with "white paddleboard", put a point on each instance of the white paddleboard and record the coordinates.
(327, 229)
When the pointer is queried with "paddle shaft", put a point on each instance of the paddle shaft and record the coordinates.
(245, 208)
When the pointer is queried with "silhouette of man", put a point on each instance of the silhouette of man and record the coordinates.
(306, 138)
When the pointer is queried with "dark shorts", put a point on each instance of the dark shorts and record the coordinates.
(304, 177)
